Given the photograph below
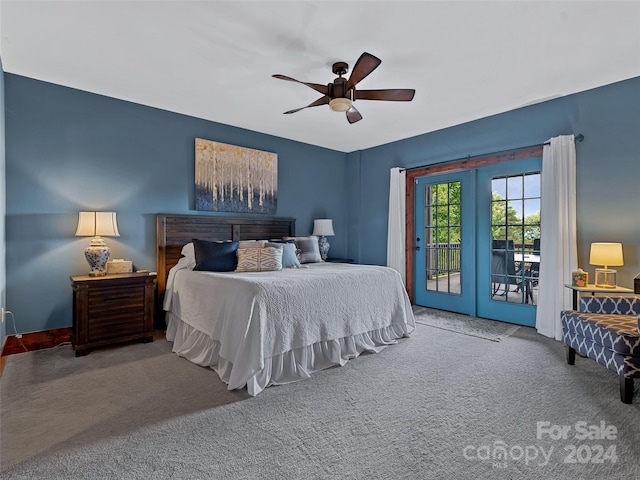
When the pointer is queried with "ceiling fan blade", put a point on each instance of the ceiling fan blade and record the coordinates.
(353, 115)
(366, 64)
(321, 101)
(394, 95)
(323, 89)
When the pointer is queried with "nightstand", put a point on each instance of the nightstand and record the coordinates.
(340, 260)
(593, 290)
(112, 309)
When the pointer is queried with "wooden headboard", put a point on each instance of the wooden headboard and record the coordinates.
(175, 231)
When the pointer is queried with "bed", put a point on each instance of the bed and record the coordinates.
(258, 329)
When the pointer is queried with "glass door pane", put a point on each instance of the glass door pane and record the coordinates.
(508, 246)
(442, 214)
(442, 219)
(515, 226)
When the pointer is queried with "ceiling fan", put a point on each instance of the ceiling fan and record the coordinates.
(341, 93)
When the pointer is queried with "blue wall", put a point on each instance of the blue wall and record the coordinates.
(608, 167)
(69, 150)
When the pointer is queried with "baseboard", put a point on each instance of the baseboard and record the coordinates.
(2, 359)
(36, 341)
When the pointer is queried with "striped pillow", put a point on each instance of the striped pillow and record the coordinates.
(266, 259)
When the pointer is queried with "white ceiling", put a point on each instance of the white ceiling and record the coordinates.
(214, 59)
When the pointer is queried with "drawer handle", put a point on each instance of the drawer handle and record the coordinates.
(117, 299)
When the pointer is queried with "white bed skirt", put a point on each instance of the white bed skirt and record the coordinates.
(291, 366)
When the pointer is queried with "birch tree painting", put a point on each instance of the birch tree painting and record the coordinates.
(235, 179)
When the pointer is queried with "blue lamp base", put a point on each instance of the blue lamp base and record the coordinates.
(97, 255)
(323, 245)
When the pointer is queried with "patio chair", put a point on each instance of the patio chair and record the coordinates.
(504, 273)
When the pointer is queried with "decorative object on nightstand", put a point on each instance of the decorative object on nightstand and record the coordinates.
(119, 265)
(608, 255)
(323, 227)
(636, 283)
(579, 278)
(112, 309)
(95, 224)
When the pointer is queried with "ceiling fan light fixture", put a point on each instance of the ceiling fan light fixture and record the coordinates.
(340, 93)
(340, 104)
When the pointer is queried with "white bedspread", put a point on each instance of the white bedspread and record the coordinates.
(252, 317)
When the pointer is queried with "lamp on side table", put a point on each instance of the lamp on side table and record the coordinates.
(323, 228)
(606, 254)
(96, 225)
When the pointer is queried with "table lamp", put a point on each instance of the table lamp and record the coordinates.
(322, 228)
(95, 224)
(606, 254)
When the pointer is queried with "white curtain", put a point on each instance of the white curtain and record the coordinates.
(558, 247)
(396, 227)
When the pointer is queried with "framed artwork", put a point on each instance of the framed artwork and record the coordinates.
(235, 179)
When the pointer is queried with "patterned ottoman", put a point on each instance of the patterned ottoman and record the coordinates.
(606, 329)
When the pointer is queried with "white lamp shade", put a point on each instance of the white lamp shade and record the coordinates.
(323, 227)
(92, 224)
(607, 254)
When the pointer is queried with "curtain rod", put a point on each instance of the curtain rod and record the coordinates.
(579, 138)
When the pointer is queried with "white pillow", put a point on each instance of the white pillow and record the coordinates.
(309, 249)
(267, 259)
(189, 252)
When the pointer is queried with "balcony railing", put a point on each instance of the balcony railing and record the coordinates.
(443, 257)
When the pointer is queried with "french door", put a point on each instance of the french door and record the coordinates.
(476, 234)
(444, 248)
(508, 239)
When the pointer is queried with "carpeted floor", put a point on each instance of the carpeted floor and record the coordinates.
(439, 405)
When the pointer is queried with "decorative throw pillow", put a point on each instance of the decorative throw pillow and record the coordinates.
(252, 243)
(309, 250)
(189, 253)
(289, 253)
(265, 259)
(215, 256)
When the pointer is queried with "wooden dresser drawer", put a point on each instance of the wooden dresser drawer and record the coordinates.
(114, 312)
(115, 326)
(116, 297)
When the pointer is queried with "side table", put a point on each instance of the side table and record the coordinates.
(590, 288)
(111, 309)
(340, 260)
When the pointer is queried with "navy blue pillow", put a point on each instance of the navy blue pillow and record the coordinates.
(215, 256)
